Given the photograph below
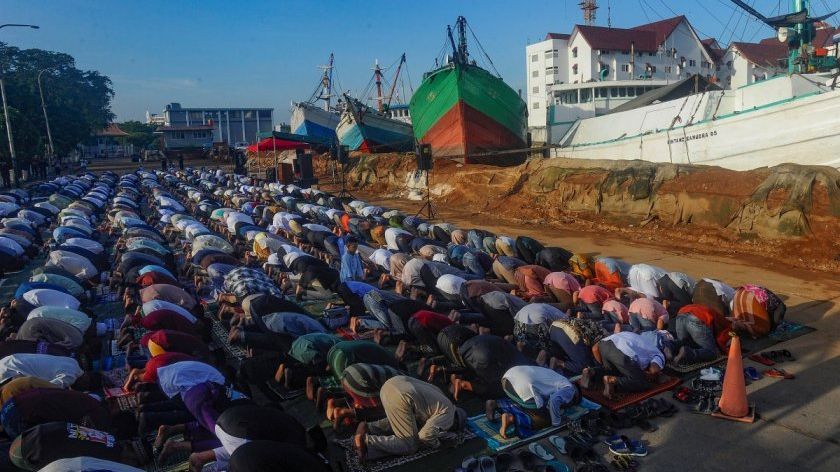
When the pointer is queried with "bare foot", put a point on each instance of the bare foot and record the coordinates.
(617, 328)
(234, 333)
(555, 363)
(330, 409)
(310, 388)
(359, 440)
(680, 356)
(507, 420)
(162, 436)
(378, 336)
(454, 315)
(421, 365)
(520, 346)
(281, 371)
(433, 371)
(609, 386)
(402, 349)
(456, 387)
(542, 358)
(490, 410)
(586, 378)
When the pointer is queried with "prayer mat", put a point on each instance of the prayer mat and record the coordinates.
(282, 392)
(116, 377)
(389, 463)
(176, 462)
(785, 331)
(623, 399)
(489, 430)
(690, 368)
(220, 336)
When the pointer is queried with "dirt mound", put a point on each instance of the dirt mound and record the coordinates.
(788, 212)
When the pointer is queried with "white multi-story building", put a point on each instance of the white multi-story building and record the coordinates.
(567, 74)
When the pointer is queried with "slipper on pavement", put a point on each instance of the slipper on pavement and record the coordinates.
(470, 464)
(558, 443)
(538, 450)
(779, 374)
(762, 359)
(752, 373)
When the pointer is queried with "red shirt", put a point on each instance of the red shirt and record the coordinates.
(175, 341)
(432, 321)
(719, 325)
(594, 294)
(161, 360)
(152, 278)
(167, 319)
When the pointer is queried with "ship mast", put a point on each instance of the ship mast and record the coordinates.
(377, 74)
(396, 77)
(326, 84)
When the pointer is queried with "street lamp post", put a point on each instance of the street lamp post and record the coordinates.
(6, 111)
(46, 118)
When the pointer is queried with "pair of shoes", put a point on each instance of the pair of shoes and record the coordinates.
(624, 446)
(624, 463)
(752, 373)
(779, 374)
(479, 464)
(704, 406)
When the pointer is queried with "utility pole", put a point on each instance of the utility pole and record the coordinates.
(46, 118)
(6, 110)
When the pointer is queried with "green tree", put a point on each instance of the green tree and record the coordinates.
(141, 135)
(78, 102)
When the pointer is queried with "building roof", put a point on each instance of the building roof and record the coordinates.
(557, 36)
(764, 54)
(618, 39)
(112, 130)
(162, 129)
(662, 29)
(712, 47)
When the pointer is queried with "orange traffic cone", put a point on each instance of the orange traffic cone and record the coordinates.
(733, 401)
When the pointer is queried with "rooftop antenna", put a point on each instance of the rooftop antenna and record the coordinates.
(588, 7)
(609, 14)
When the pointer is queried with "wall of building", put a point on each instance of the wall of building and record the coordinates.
(187, 139)
(545, 64)
(229, 125)
(737, 71)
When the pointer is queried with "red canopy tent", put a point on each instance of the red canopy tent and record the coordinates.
(274, 144)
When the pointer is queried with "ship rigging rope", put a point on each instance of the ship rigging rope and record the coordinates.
(481, 48)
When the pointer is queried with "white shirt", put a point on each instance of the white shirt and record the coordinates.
(644, 278)
(84, 243)
(49, 297)
(177, 378)
(155, 305)
(536, 313)
(11, 245)
(450, 284)
(58, 370)
(723, 290)
(73, 263)
(316, 227)
(391, 237)
(68, 315)
(536, 383)
(382, 258)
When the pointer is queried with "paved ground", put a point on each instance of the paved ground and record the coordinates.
(799, 427)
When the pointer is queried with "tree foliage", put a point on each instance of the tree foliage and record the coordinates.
(141, 135)
(78, 102)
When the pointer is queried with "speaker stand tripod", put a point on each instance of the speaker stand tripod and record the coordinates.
(427, 206)
(344, 193)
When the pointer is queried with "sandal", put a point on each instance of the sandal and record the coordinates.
(779, 374)
(752, 373)
(538, 450)
(486, 464)
(558, 443)
(618, 446)
(762, 359)
(780, 355)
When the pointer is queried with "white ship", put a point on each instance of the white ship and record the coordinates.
(793, 118)
(310, 119)
(787, 118)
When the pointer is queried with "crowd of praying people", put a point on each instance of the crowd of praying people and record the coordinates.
(412, 318)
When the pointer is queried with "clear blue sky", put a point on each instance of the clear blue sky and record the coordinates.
(266, 53)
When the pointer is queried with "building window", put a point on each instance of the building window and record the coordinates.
(622, 92)
(626, 53)
(729, 64)
(625, 67)
(535, 105)
(613, 92)
(602, 93)
(692, 63)
(667, 69)
(535, 73)
(265, 114)
(652, 69)
(639, 90)
(178, 135)
(551, 70)
(535, 89)
(575, 69)
(574, 51)
(705, 64)
(535, 57)
(585, 95)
